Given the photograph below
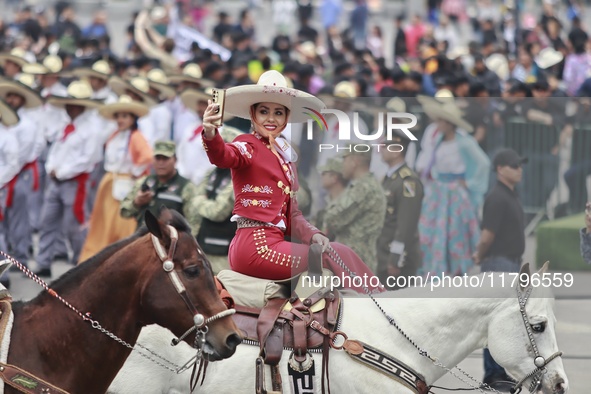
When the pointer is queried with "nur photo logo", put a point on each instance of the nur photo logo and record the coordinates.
(349, 130)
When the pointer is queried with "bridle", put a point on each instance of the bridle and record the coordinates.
(199, 321)
(539, 361)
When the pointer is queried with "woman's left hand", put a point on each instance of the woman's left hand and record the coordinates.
(322, 240)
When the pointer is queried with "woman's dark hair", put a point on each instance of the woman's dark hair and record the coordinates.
(134, 125)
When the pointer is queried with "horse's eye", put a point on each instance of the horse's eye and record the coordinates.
(540, 327)
(192, 271)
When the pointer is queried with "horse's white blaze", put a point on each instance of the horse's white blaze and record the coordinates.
(448, 323)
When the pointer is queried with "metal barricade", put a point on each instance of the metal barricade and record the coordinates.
(580, 167)
(537, 142)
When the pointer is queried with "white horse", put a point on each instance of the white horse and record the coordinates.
(449, 323)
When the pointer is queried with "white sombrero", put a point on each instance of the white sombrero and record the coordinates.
(79, 93)
(191, 73)
(272, 87)
(158, 80)
(447, 111)
(190, 98)
(8, 116)
(51, 65)
(125, 104)
(22, 87)
(548, 57)
(16, 55)
(138, 85)
(100, 69)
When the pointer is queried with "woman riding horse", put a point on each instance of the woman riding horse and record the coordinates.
(265, 184)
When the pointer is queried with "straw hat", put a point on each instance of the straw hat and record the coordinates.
(158, 80)
(16, 55)
(191, 73)
(8, 116)
(100, 69)
(396, 104)
(272, 87)
(51, 65)
(447, 111)
(444, 93)
(138, 85)
(343, 91)
(457, 52)
(124, 104)
(79, 93)
(190, 97)
(22, 87)
(548, 57)
(498, 64)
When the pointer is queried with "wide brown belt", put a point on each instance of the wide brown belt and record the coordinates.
(26, 382)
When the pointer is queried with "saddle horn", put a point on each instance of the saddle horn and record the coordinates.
(315, 261)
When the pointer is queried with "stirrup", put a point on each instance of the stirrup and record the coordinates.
(260, 378)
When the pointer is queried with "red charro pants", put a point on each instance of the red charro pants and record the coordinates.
(262, 252)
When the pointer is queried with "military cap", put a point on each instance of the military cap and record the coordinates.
(398, 137)
(164, 148)
(356, 149)
(333, 164)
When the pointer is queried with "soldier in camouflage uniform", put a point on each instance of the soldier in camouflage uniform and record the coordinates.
(333, 182)
(357, 216)
(399, 252)
(212, 208)
(166, 187)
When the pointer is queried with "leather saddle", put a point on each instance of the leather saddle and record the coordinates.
(301, 322)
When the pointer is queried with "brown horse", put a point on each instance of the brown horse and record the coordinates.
(124, 288)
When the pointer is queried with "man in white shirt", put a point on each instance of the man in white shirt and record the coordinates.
(192, 160)
(9, 168)
(47, 117)
(24, 187)
(71, 159)
(161, 113)
(183, 117)
(98, 76)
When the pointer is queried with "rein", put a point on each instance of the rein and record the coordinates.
(539, 361)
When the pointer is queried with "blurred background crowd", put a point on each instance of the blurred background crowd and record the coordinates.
(519, 74)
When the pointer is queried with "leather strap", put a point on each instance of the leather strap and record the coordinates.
(274, 344)
(26, 382)
(300, 340)
(266, 321)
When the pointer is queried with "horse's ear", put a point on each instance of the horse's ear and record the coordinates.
(544, 268)
(153, 224)
(165, 215)
(524, 277)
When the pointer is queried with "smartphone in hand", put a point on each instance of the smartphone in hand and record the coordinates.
(219, 97)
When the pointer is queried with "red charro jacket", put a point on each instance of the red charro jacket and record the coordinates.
(264, 186)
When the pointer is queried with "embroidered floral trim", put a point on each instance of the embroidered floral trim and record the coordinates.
(255, 203)
(242, 148)
(273, 89)
(257, 189)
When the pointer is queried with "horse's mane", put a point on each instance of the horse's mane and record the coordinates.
(71, 277)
